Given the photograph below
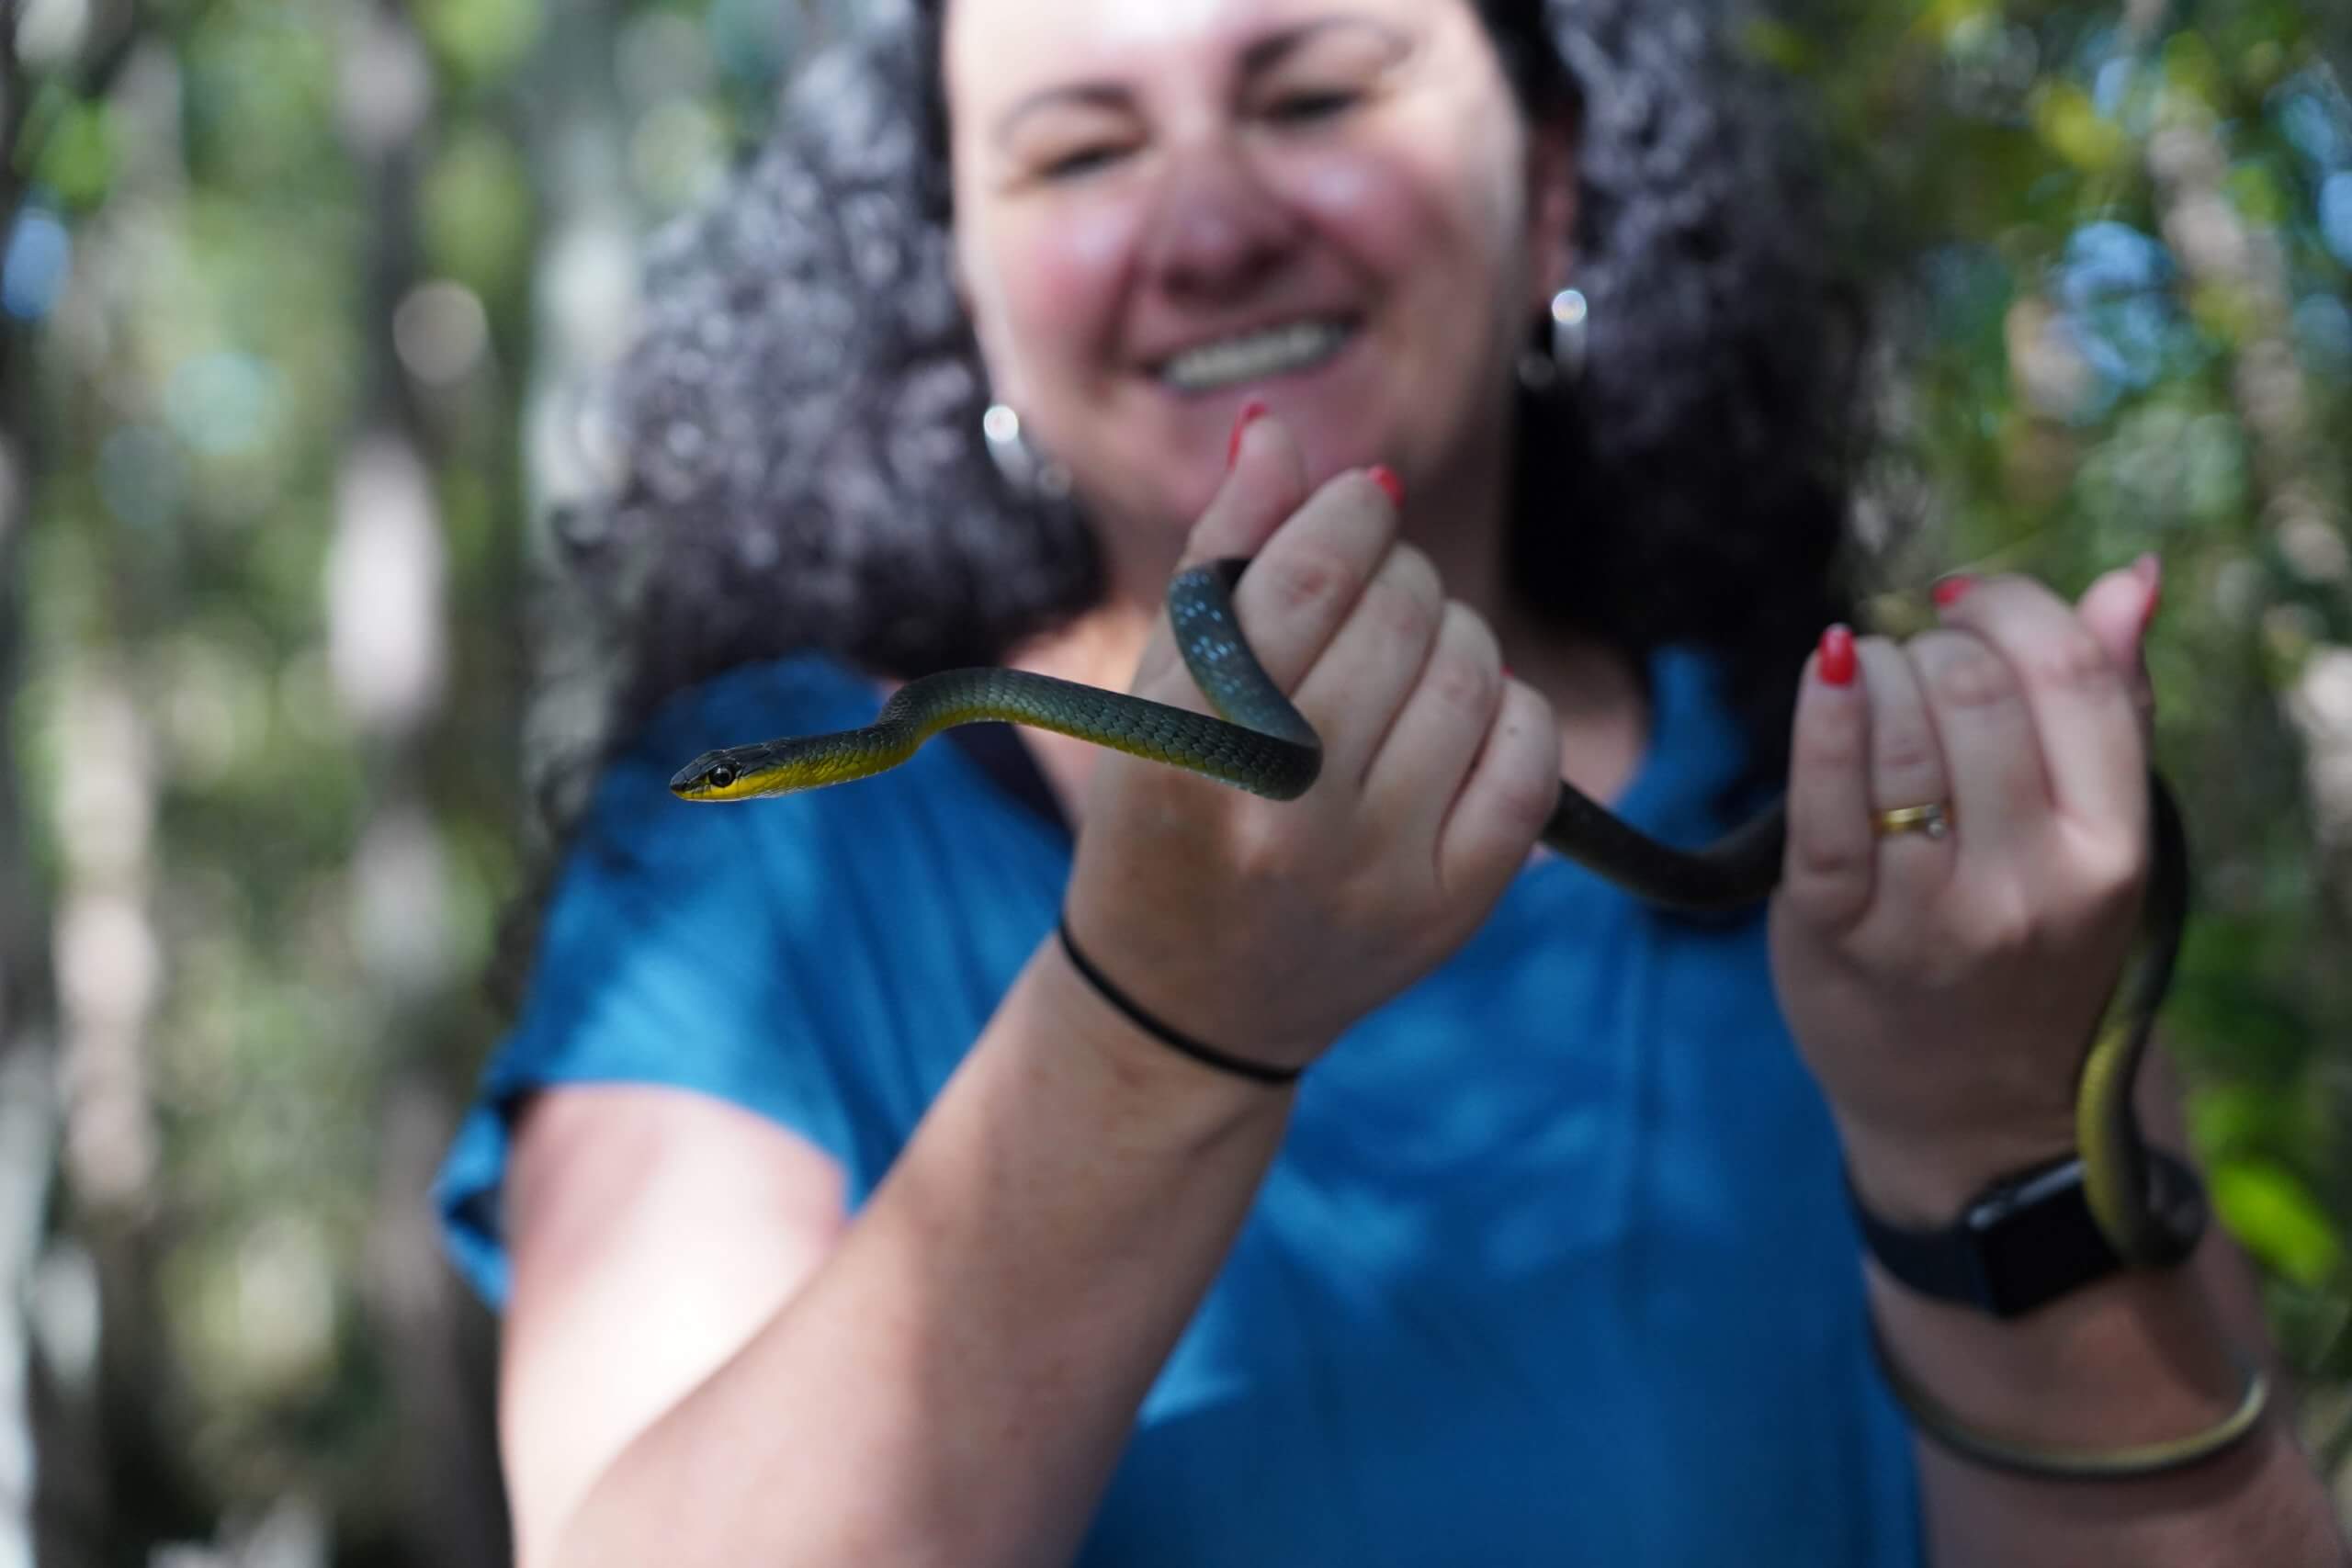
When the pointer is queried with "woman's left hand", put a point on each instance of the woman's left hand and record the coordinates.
(1943, 989)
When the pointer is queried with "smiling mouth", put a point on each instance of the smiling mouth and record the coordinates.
(1282, 351)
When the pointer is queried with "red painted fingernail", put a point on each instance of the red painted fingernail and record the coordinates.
(1385, 478)
(1252, 410)
(1838, 656)
(1951, 589)
(2152, 572)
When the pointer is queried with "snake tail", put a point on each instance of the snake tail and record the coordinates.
(2151, 1210)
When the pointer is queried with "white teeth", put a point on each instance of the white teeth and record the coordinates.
(1275, 353)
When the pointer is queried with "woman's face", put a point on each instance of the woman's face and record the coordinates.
(1167, 207)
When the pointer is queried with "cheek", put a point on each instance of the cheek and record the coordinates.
(1344, 190)
(1408, 216)
(1371, 205)
(1061, 279)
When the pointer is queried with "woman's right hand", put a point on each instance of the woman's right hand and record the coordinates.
(1267, 927)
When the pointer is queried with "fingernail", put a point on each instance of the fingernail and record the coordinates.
(1949, 591)
(1838, 656)
(1385, 478)
(2152, 572)
(1506, 671)
(1252, 410)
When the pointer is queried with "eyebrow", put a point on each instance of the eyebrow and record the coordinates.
(1261, 55)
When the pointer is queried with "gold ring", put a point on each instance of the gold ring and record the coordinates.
(1933, 819)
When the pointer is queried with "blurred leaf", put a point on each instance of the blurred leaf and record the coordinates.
(1957, 17)
(2192, 70)
(1776, 44)
(2065, 118)
(2223, 311)
(79, 155)
(2259, 196)
(480, 38)
(2277, 1218)
(477, 213)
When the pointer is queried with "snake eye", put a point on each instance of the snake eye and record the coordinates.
(722, 776)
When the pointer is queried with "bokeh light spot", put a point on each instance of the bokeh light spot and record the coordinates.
(222, 404)
(752, 39)
(441, 332)
(141, 476)
(480, 37)
(2336, 214)
(678, 152)
(40, 253)
(50, 32)
(662, 55)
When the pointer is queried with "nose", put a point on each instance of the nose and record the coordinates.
(1217, 230)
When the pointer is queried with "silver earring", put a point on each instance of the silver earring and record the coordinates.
(1027, 473)
(1570, 316)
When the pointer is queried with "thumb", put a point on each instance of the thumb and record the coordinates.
(2116, 610)
(1264, 483)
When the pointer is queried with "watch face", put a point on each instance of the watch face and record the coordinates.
(2035, 1239)
(2028, 1189)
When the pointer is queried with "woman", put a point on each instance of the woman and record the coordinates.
(839, 1216)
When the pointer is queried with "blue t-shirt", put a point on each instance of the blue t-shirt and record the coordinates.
(1554, 1265)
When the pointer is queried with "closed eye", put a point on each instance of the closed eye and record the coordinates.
(1301, 108)
(1084, 161)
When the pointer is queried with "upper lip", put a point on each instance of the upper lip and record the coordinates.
(1158, 358)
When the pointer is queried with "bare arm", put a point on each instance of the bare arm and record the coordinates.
(951, 1377)
(954, 1376)
(2141, 1358)
(1943, 989)
(652, 1231)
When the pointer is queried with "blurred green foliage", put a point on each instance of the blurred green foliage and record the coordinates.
(2129, 332)
(270, 332)
(275, 278)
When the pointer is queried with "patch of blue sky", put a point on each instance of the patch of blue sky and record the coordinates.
(2335, 215)
(2314, 119)
(2114, 291)
(2324, 333)
(33, 271)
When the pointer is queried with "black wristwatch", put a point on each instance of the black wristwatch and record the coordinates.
(2024, 1241)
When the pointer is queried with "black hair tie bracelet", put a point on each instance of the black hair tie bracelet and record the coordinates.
(1175, 1039)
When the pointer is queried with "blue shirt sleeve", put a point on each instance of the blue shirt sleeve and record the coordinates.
(697, 947)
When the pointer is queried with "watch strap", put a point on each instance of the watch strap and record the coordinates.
(2024, 1241)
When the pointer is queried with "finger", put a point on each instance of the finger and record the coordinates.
(1265, 484)
(1425, 755)
(1907, 770)
(1357, 688)
(1305, 581)
(1992, 750)
(1494, 820)
(1832, 854)
(2073, 690)
(2118, 609)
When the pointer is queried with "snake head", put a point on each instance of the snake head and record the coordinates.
(714, 775)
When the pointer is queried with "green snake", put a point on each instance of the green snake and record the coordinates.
(2149, 1213)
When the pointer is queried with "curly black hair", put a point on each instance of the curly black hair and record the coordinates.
(800, 459)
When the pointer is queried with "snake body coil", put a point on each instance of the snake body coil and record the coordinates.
(1263, 745)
